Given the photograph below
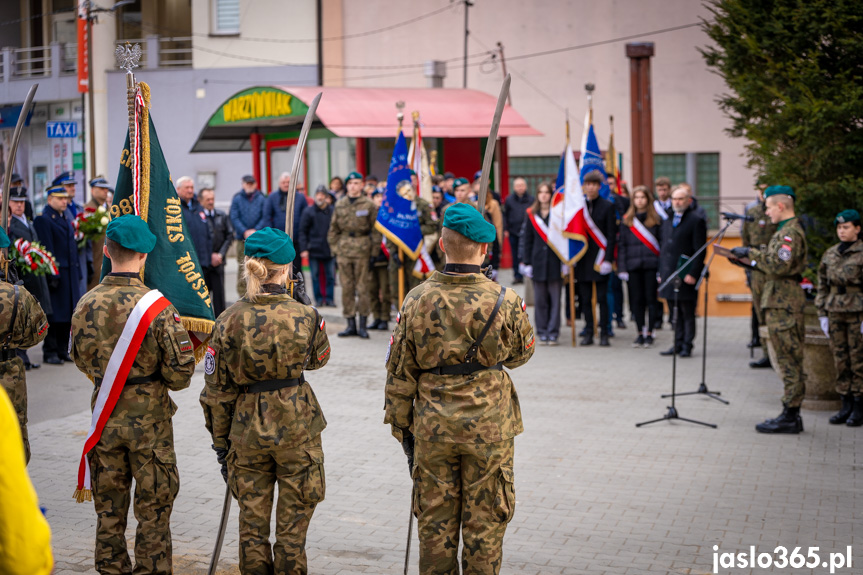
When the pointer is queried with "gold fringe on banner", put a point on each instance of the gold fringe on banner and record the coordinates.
(82, 495)
(145, 151)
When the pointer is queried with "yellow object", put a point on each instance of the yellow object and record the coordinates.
(25, 538)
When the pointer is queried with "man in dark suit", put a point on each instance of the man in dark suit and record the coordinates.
(18, 182)
(276, 207)
(682, 234)
(221, 235)
(54, 228)
(20, 227)
(195, 220)
(588, 271)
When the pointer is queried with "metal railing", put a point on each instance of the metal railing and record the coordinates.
(175, 52)
(31, 62)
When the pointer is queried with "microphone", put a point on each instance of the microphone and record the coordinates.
(732, 217)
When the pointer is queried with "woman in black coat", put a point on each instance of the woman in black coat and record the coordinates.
(542, 265)
(638, 261)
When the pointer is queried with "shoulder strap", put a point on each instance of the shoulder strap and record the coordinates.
(14, 317)
(474, 348)
(311, 347)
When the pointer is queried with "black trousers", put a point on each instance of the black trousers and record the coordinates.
(684, 324)
(585, 296)
(642, 297)
(215, 280)
(57, 339)
(514, 246)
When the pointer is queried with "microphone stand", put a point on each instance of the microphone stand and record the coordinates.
(705, 277)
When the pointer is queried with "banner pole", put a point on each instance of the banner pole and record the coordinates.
(572, 300)
(593, 307)
(401, 277)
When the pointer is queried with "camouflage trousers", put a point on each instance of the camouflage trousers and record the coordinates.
(379, 292)
(145, 453)
(462, 489)
(846, 342)
(756, 284)
(786, 334)
(253, 475)
(354, 276)
(14, 382)
(240, 246)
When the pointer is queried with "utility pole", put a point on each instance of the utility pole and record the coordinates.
(503, 65)
(91, 132)
(467, 6)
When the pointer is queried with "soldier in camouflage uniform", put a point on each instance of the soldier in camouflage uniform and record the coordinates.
(28, 329)
(354, 240)
(430, 229)
(446, 387)
(263, 416)
(137, 441)
(756, 234)
(840, 309)
(782, 264)
(379, 285)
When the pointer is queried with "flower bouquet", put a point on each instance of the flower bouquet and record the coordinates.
(91, 224)
(33, 258)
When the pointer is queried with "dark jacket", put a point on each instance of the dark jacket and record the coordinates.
(514, 209)
(56, 234)
(602, 213)
(632, 254)
(313, 229)
(221, 232)
(247, 212)
(533, 251)
(196, 224)
(274, 211)
(36, 285)
(684, 240)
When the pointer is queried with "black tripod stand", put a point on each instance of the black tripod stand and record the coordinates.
(705, 277)
(672, 409)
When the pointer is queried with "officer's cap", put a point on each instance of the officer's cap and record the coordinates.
(466, 220)
(100, 182)
(377, 192)
(477, 175)
(593, 176)
(459, 182)
(16, 178)
(131, 232)
(270, 243)
(353, 176)
(57, 190)
(17, 194)
(4, 239)
(779, 191)
(844, 216)
(247, 179)
(64, 178)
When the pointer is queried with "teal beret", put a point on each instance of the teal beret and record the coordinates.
(4, 239)
(353, 176)
(844, 216)
(779, 190)
(273, 244)
(132, 233)
(459, 182)
(466, 220)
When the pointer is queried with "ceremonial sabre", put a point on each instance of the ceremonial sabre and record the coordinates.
(223, 525)
(13, 150)
(295, 170)
(492, 144)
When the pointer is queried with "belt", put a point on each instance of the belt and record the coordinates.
(7, 354)
(274, 384)
(842, 290)
(155, 376)
(462, 368)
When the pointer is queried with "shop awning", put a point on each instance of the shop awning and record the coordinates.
(355, 113)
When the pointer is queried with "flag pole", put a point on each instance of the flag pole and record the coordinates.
(401, 277)
(572, 301)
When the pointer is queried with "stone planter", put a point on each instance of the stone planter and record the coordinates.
(818, 366)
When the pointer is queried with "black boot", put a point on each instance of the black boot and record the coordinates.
(361, 331)
(587, 339)
(383, 325)
(763, 362)
(789, 421)
(351, 329)
(856, 418)
(603, 339)
(847, 408)
(756, 342)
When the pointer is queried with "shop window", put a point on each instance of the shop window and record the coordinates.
(225, 17)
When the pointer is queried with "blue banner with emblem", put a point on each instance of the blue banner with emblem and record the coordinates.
(398, 219)
(591, 158)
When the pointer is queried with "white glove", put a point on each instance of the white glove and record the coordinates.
(825, 325)
(624, 276)
(605, 268)
(494, 275)
(525, 270)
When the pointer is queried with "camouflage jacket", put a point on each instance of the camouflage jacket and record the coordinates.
(274, 338)
(429, 226)
(840, 280)
(782, 264)
(166, 352)
(757, 233)
(31, 325)
(439, 321)
(352, 231)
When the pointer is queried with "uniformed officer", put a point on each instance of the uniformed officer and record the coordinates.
(782, 264)
(23, 325)
(380, 292)
(99, 190)
(354, 240)
(447, 389)
(840, 310)
(137, 441)
(430, 231)
(756, 234)
(262, 414)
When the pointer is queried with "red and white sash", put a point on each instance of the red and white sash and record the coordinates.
(643, 234)
(122, 358)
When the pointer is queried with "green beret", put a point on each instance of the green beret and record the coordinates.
(4, 239)
(459, 182)
(353, 176)
(132, 233)
(466, 220)
(273, 244)
(593, 176)
(778, 191)
(844, 216)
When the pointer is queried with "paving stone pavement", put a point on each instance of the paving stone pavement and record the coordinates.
(594, 493)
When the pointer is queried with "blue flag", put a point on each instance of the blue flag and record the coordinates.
(591, 158)
(398, 219)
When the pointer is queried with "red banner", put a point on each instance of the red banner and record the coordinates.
(83, 30)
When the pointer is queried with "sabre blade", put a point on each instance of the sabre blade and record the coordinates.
(13, 151)
(492, 144)
(295, 169)
(220, 536)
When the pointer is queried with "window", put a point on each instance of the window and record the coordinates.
(699, 169)
(225, 17)
(707, 174)
(534, 169)
(672, 166)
